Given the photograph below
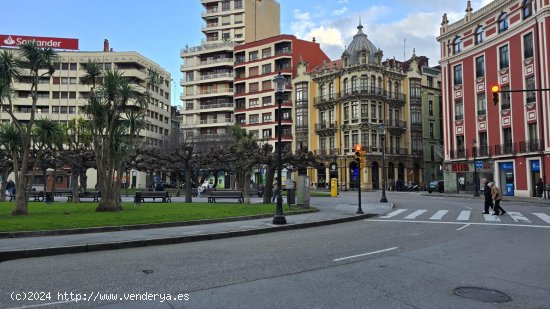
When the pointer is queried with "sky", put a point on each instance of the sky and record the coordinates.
(159, 29)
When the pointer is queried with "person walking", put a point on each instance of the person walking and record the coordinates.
(497, 196)
(488, 196)
(540, 188)
(275, 191)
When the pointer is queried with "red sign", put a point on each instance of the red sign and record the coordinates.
(460, 167)
(57, 43)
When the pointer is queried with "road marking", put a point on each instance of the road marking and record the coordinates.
(415, 214)
(518, 217)
(460, 223)
(543, 217)
(460, 228)
(364, 254)
(491, 218)
(468, 207)
(464, 215)
(439, 214)
(394, 213)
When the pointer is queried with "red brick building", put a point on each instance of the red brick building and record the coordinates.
(506, 43)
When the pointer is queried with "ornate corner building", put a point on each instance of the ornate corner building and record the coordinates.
(504, 43)
(347, 100)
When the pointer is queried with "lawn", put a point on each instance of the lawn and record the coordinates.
(78, 215)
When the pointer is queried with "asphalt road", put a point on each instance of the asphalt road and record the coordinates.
(408, 260)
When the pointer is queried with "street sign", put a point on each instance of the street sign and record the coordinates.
(479, 165)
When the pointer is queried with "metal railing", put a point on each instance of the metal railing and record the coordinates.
(533, 145)
(326, 126)
(505, 149)
(395, 123)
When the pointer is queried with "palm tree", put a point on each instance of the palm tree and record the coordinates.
(48, 135)
(32, 61)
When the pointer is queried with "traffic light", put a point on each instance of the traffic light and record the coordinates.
(496, 90)
(357, 149)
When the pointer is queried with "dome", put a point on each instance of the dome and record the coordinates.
(360, 43)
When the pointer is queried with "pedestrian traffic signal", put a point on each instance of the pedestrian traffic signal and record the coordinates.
(357, 149)
(496, 90)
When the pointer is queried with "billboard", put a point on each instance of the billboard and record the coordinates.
(46, 42)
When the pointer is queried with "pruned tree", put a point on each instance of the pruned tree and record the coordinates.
(6, 167)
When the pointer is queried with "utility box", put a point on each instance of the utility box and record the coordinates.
(303, 186)
(333, 187)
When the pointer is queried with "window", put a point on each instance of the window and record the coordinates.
(431, 130)
(267, 84)
(416, 87)
(346, 86)
(431, 107)
(226, 5)
(480, 66)
(481, 104)
(355, 137)
(253, 103)
(64, 66)
(530, 84)
(457, 74)
(253, 87)
(266, 133)
(238, 4)
(266, 52)
(331, 91)
(528, 45)
(533, 133)
(527, 8)
(503, 22)
(505, 98)
(479, 35)
(331, 117)
(354, 110)
(364, 82)
(504, 60)
(346, 112)
(266, 117)
(73, 67)
(364, 109)
(253, 55)
(252, 71)
(266, 68)
(253, 119)
(459, 110)
(301, 93)
(354, 84)
(457, 45)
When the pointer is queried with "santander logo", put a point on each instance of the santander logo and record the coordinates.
(9, 41)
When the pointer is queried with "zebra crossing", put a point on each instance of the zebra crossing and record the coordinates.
(446, 215)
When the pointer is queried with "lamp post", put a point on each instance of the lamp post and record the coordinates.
(279, 82)
(476, 182)
(382, 128)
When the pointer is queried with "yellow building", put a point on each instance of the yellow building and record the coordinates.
(347, 102)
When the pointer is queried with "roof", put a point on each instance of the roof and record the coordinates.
(359, 44)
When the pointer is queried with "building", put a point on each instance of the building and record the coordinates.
(208, 69)
(426, 113)
(62, 95)
(504, 43)
(348, 100)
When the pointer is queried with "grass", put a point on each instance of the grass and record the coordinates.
(79, 215)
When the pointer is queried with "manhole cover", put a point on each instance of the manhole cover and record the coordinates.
(481, 294)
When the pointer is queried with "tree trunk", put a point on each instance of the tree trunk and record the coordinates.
(75, 172)
(108, 200)
(268, 192)
(247, 187)
(189, 186)
(178, 185)
(21, 200)
(3, 188)
(83, 178)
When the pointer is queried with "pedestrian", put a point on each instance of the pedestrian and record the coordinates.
(540, 187)
(487, 195)
(275, 190)
(495, 192)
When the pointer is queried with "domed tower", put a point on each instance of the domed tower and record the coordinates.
(361, 50)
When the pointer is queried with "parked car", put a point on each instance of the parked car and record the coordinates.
(436, 185)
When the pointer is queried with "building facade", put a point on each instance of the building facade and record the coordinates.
(348, 101)
(504, 43)
(207, 69)
(61, 96)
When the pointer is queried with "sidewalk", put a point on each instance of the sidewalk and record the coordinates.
(331, 211)
(505, 199)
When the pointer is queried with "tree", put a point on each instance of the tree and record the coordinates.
(77, 152)
(37, 62)
(246, 155)
(117, 114)
(6, 167)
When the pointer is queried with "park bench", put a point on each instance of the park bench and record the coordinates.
(95, 195)
(64, 192)
(163, 195)
(37, 196)
(213, 195)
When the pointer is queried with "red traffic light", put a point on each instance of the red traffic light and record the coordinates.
(357, 147)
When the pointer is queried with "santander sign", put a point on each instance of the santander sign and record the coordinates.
(57, 43)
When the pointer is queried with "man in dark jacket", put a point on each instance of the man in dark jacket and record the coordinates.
(487, 195)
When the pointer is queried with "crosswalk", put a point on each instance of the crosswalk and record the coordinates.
(466, 216)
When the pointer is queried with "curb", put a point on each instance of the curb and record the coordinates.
(40, 252)
(141, 226)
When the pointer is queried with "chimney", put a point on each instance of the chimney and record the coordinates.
(106, 46)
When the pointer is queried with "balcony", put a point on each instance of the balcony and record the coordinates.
(217, 76)
(284, 51)
(302, 128)
(457, 153)
(533, 145)
(218, 105)
(395, 123)
(483, 151)
(396, 151)
(207, 47)
(505, 149)
(210, 11)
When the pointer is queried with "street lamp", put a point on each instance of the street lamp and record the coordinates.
(476, 182)
(280, 82)
(382, 129)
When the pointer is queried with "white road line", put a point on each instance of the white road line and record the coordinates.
(460, 223)
(394, 213)
(491, 218)
(468, 207)
(464, 215)
(460, 228)
(416, 214)
(439, 214)
(518, 217)
(543, 217)
(364, 254)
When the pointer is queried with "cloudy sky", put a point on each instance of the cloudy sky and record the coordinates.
(159, 29)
